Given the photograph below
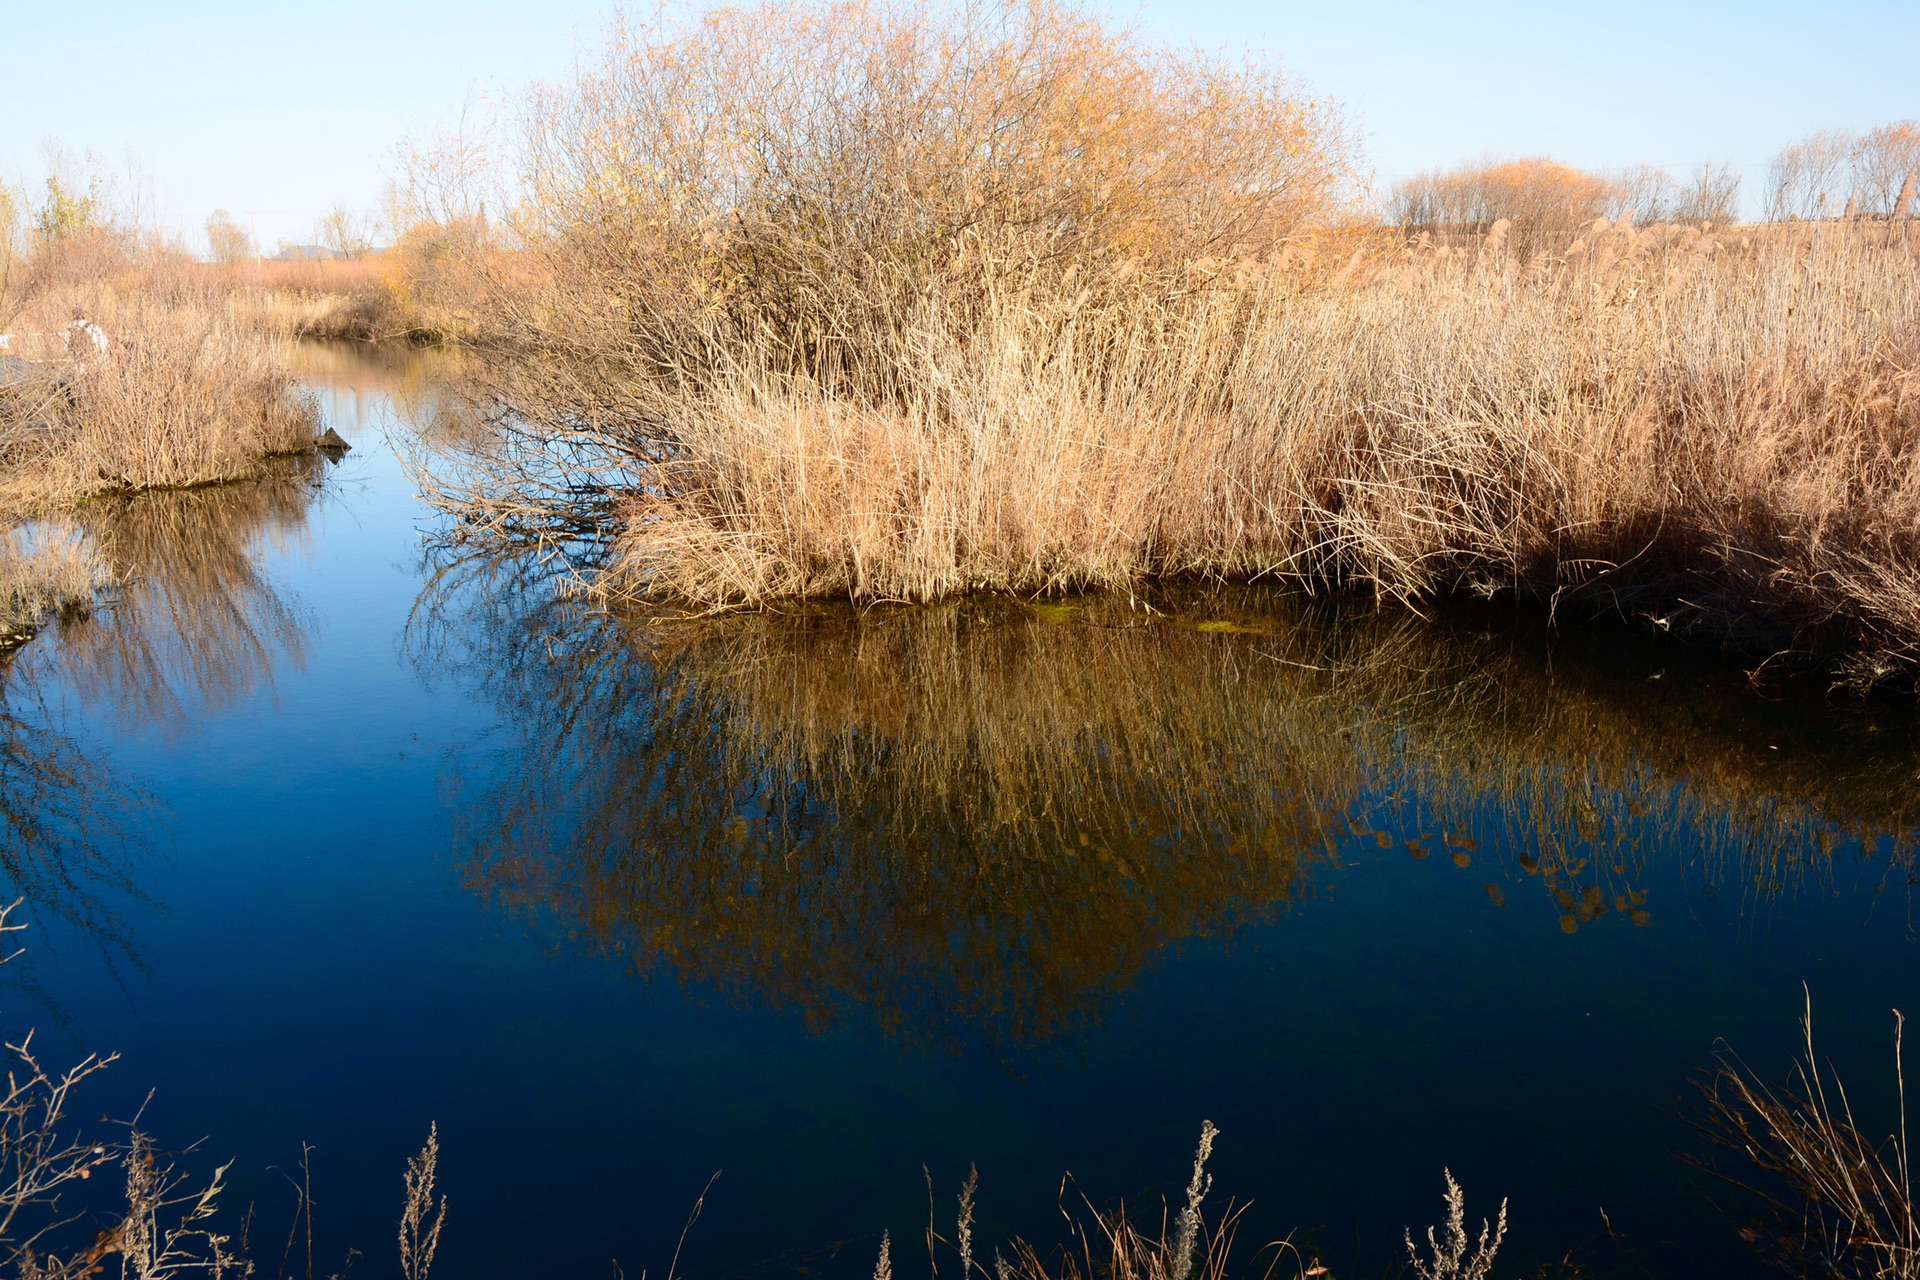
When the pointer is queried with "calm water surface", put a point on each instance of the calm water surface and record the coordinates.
(336, 838)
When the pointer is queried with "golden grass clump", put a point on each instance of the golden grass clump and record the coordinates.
(175, 394)
(1712, 429)
(44, 572)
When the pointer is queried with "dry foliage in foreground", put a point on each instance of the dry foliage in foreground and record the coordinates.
(1839, 1202)
(162, 1227)
(1112, 1245)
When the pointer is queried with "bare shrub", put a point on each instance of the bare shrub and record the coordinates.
(1835, 173)
(1886, 166)
(805, 174)
(1810, 179)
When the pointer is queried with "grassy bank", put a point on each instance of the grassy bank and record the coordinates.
(359, 299)
(948, 339)
(122, 373)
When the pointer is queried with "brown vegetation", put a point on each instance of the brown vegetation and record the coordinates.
(1838, 1200)
(177, 395)
(1839, 174)
(121, 372)
(880, 303)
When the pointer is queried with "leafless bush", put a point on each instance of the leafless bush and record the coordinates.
(1647, 196)
(1543, 203)
(1835, 173)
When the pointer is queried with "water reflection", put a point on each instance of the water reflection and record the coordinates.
(196, 624)
(68, 824)
(976, 823)
(191, 625)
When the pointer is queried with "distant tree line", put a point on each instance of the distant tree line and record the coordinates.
(1824, 175)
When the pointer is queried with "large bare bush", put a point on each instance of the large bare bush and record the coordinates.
(789, 185)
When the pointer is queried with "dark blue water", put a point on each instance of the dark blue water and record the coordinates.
(341, 836)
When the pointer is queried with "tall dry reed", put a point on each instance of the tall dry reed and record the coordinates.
(793, 308)
(1840, 1200)
(174, 394)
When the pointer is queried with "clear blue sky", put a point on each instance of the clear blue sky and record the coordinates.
(277, 111)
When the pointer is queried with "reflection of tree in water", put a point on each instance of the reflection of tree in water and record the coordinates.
(978, 821)
(68, 825)
(196, 625)
(193, 624)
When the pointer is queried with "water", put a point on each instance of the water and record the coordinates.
(337, 839)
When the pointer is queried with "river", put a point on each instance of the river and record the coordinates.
(337, 834)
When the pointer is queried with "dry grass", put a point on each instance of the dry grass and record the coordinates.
(181, 395)
(1840, 1202)
(44, 572)
(327, 298)
(1712, 429)
(761, 340)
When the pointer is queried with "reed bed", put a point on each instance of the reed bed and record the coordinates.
(177, 395)
(329, 299)
(775, 312)
(1709, 429)
(44, 572)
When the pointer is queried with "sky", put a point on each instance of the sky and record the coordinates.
(279, 112)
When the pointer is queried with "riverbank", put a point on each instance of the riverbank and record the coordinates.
(1007, 360)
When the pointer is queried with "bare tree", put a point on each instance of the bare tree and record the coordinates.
(344, 233)
(228, 240)
(1711, 194)
(1885, 163)
(1812, 178)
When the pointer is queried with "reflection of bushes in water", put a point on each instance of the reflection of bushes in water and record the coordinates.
(994, 897)
(982, 818)
(193, 623)
(196, 621)
(67, 822)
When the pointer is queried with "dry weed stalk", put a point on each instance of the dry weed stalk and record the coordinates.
(1840, 1199)
(1190, 1219)
(1108, 1245)
(1451, 1260)
(421, 1221)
